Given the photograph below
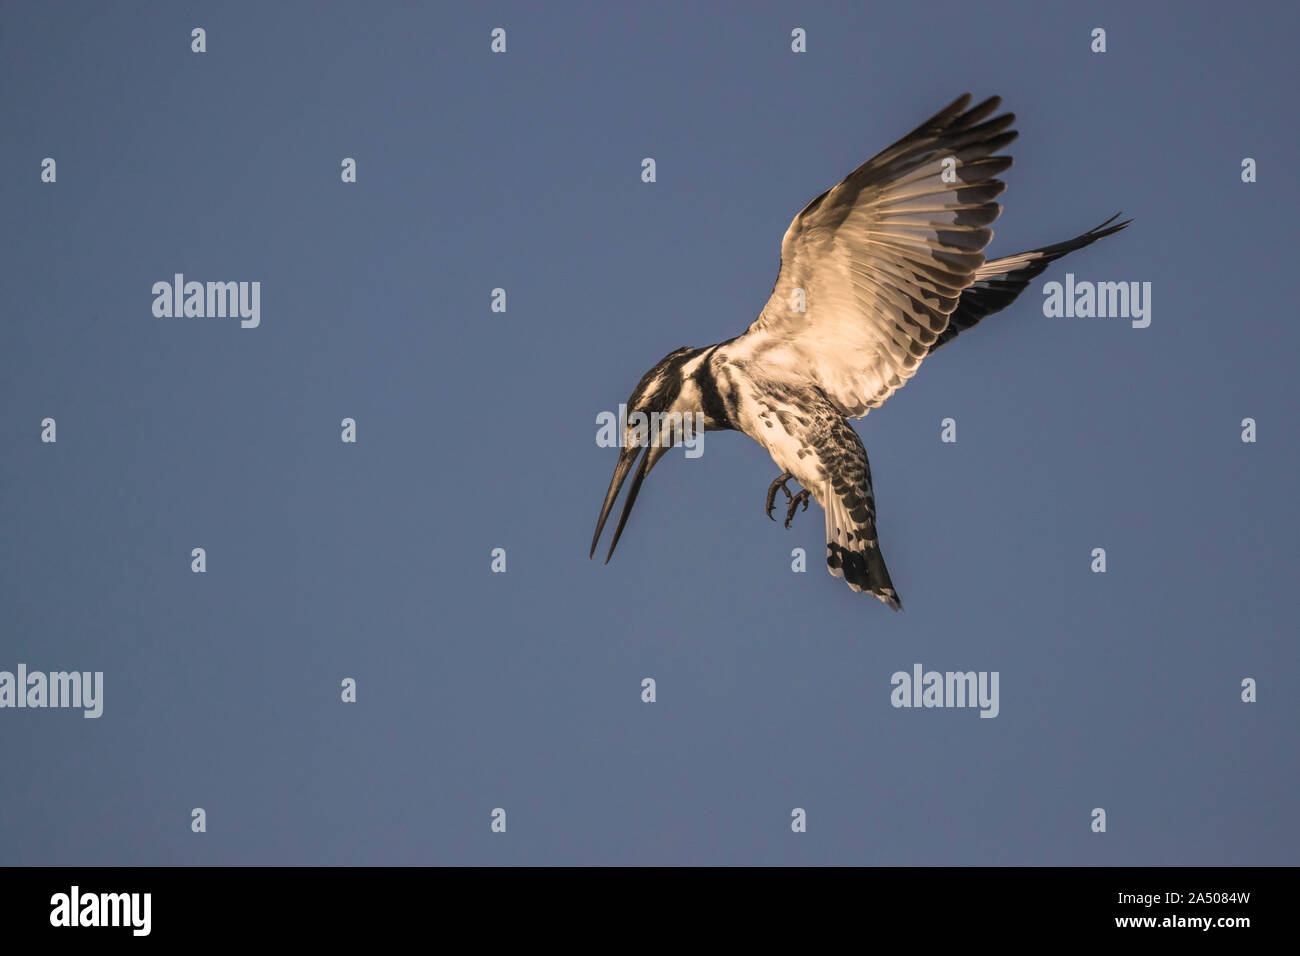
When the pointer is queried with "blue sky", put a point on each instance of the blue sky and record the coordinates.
(476, 430)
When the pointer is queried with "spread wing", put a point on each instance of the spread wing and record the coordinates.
(878, 263)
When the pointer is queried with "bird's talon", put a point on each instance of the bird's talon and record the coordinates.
(781, 479)
(794, 505)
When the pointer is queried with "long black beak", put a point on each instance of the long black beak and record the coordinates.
(625, 458)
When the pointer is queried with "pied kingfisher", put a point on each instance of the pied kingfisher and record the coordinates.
(876, 274)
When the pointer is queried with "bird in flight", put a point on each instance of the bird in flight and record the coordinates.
(876, 274)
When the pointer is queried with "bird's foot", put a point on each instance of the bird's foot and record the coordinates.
(794, 500)
(781, 479)
(794, 505)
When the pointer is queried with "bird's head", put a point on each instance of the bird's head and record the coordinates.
(662, 401)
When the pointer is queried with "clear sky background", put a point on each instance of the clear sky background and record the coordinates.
(476, 431)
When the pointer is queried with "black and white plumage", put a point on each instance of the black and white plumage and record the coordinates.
(876, 273)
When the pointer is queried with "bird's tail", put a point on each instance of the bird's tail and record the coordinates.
(852, 548)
